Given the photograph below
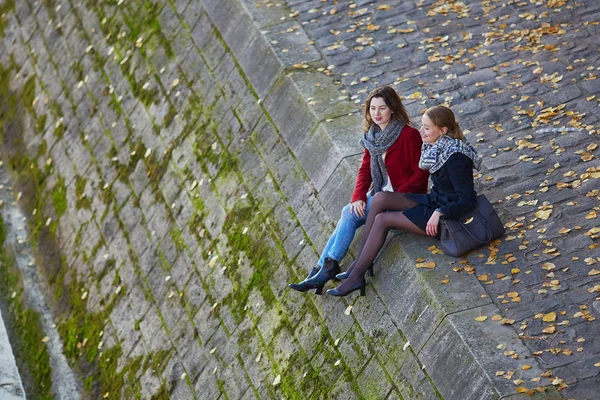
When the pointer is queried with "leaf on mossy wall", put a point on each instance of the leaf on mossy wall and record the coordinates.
(427, 265)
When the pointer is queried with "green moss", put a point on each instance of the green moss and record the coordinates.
(163, 393)
(82, 200)
(28, 95)
(30, 351)
(9, 100)
(146, 96)
(5, 7)
(40, 123)
(177, 238)
(244, 238)
(169, 116)
(59, 131)
(78, 71)
(59, 196)
(42, 149)
(55, 109)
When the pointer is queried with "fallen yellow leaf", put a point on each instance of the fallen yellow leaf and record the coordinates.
(550, 317)
(428, 265)
(594, 272)
(591, 215)
(548, 266)
(543, 214)
(481, 318)
(525, 367)
(551, 329)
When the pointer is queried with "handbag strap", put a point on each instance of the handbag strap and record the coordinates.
(487, 228)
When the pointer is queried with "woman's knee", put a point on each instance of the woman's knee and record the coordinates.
(380, 221)
(379, 197)
(346, 212)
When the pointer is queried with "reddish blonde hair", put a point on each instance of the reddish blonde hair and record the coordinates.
(443, 117)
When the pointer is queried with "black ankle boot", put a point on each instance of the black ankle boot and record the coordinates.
(330, 269)
(360, 285)
(346, 274)
(301, 286)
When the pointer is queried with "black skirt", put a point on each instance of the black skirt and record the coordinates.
(420, 214)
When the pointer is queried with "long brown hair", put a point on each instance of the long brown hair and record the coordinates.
(441, 117)
(392, 100)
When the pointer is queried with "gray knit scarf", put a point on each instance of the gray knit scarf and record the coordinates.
(377, 142)
(433, 156)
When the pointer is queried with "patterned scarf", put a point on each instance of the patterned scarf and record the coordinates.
(377, 142)
(433, 156)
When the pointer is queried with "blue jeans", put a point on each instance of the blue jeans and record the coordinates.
(342, 236)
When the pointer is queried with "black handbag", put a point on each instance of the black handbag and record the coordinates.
(474, 229)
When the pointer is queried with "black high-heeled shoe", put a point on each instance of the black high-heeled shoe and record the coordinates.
(330, 269)
(301, 286)
(360, 285)
(346, 274)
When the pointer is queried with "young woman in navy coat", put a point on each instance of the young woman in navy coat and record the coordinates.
(450, 159)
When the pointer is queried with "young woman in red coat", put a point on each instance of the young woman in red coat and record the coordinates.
(390, 163)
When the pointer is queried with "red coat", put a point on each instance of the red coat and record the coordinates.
(402, 164)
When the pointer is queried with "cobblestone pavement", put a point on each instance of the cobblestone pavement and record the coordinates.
(522, 78)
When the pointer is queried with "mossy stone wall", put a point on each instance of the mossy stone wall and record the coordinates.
(186, 170)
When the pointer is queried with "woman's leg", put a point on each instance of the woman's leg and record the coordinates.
(380, 226)
(384, 201)
(346, 230)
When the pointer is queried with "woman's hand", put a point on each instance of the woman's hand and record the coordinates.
(432, 224)
(358, 208)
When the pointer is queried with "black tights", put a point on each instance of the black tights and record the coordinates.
(385, 214)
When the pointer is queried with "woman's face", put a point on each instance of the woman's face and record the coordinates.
(429, 132)
(380, 112)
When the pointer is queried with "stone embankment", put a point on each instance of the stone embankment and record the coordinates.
(181, 161)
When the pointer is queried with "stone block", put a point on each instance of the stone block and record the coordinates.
(337, 191)
(460, 337)
(261, 65)
(234, 381)
(422, 307)
(373, 382)
(291, 45)
(318, 157)
(233, 22)
(266, 16)
(345, 133)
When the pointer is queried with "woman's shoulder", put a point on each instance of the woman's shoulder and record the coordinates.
(409, 130)
(459, 159)
(408, 135)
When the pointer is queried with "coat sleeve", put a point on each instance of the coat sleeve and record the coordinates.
(461, 177)
(417, 183)
(363, 180)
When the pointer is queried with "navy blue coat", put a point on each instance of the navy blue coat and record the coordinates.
(453, 191)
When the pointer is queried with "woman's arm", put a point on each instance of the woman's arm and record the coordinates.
(363, 180)
(461, 176)
(417, 183)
